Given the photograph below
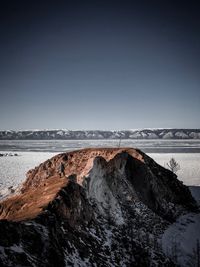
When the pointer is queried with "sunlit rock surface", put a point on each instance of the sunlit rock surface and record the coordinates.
(107, 209)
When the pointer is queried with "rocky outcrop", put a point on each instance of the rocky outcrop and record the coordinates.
(107, 209)
(8, 155)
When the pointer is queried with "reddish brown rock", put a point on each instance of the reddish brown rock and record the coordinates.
(108, 209)
(44, 182)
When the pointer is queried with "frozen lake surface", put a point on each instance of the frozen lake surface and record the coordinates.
(32, 153)
(148, 146)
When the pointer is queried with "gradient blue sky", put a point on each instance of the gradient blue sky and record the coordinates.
(99, 64)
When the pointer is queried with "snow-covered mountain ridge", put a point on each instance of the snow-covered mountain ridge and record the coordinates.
(100, 134)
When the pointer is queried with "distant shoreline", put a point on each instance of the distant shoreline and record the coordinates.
(146, 145)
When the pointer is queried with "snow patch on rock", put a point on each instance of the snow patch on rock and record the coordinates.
(179, 241)
(168, 135)
(181, 134)
(99, 191)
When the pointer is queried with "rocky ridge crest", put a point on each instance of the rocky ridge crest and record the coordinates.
(108, 210)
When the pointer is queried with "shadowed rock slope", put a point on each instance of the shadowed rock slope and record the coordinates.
(108, 210)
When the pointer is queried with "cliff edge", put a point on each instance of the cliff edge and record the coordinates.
(107, 207)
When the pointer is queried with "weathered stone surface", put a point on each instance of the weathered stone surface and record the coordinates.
(107, 210)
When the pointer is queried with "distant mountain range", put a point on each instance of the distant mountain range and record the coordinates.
(100, 134)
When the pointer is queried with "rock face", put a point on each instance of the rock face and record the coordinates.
(108, 209)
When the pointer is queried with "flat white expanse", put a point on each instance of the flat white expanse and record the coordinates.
(13, 169)
(148, 146)
(189, 163)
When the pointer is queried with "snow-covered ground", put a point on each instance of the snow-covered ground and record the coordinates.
(13, 169)
(179, 241)
(189, 163)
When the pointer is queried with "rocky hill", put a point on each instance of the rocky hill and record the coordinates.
(107, 207)
(95, 134)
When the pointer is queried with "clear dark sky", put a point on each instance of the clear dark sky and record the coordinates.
(99, 64)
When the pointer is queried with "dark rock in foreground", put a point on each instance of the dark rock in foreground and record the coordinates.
(108, 210)
(8, 155)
